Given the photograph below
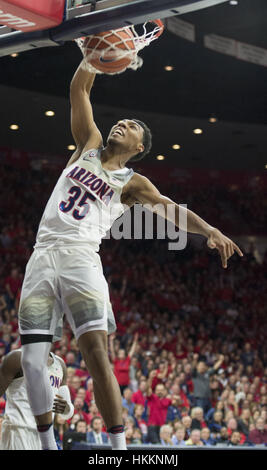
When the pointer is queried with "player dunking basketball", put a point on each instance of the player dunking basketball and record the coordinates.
(64, 272)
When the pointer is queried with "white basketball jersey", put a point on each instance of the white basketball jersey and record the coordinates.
(18, 411)
(84, 204)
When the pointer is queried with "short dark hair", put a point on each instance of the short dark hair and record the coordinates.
(94, 419)
(147, 142)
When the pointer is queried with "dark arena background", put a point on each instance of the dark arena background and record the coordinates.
(202, 90)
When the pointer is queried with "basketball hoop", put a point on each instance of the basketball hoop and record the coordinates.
(127, 45)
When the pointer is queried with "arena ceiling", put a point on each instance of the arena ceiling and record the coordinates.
(203, 83)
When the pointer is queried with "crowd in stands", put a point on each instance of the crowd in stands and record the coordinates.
(190, 350)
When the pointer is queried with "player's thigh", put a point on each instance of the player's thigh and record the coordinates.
(38, 307)
(84, 291)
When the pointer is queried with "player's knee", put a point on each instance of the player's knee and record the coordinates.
(32, 363)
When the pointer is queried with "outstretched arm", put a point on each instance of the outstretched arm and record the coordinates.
(132, 350)
(218, 362)
(83, 127)
(147, 194)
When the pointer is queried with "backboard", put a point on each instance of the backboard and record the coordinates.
(80, 18)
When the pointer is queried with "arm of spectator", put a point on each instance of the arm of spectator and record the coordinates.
(164, 373)
(133, 348)
(194, 365)
(219, 362)
(123, 286)
(149, 383)
(111, 346)
(9, 368)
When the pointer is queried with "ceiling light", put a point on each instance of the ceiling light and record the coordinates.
(71, 147)
(213, 119)
(15, 54)
(233, 2)
(266, 167)
(176, 147)
(49, 113)
(160, 157)
(198, 131)
(14, 127)
(168, 68)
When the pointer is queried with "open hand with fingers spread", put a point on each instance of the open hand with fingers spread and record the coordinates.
(224, 245)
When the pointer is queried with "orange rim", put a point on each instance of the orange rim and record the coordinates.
(160, 24)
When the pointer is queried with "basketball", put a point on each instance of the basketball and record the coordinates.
(106, 51)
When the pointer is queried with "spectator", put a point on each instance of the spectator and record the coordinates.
(158, 405)
(122, 363)
(12, 284)
(134, 367)
(165, 434)
(75, 384)
(60, 427)
(187, 422)
(235, 439)
(178, 438)
(127, 401)
(223, 437)
(197, 418)
(259, 434)
(96, 436)
(78, 409)
(137, 436)
(129, 432)
(247, 357)
(243, 422)
(216, 422)
(194, 439)
(139, 421)
(71, 360)
(81, 426)
(183, 403)
(139, 397)
(82, 372)
(206, 438)
(93, 412)
(82, 393)
(201, 380)
(232, 426)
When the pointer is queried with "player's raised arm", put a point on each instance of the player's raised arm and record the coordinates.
(83, 126)
(147, 194)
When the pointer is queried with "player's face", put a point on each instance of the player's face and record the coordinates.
(129, 134)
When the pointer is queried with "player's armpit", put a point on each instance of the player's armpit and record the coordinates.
(9, 368)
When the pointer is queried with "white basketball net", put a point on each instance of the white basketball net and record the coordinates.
(113, 49)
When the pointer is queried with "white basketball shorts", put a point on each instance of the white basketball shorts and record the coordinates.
(19, 438)
(66, 280)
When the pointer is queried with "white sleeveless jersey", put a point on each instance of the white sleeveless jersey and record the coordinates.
(84, 204)
(18, 411)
